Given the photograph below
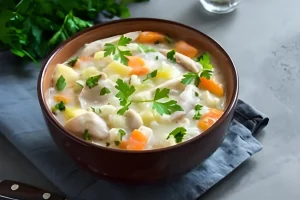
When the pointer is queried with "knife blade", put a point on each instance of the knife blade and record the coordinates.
(14, 190)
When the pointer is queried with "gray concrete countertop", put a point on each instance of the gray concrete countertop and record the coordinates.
(263, 38)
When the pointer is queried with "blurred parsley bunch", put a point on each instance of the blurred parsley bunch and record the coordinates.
(32, 28)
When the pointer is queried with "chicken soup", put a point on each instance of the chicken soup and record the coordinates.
(137, 91)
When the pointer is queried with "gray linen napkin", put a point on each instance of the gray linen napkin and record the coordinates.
(22, 123)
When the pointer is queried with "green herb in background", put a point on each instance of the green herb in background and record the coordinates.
(32, 28)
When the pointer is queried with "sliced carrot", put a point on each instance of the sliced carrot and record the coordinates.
(137, 141)
(185, 49)
(150, 37)
(139, 71)
(209, 119)
(138, 66)
(212, 86)
(134, 61)
(123, 145)
(59, 98)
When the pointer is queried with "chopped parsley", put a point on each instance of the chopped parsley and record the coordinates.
(59, 106)
(118, 54)
(191, 77)
(156, 58)
(151, 75)
(156, 42)
(93, 81)
(121, 133)
(178, 133)
(72, 61)
(107, 144)
(117, 143)
(196, 94)
(171, 54)
(86, 135)
(60, 83)
(104, 91)
(197, 115)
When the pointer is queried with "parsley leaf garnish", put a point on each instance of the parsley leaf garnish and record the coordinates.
(178, 133)
(156, 42)
(61, 83)
(117, 143)
(104, 91)
(121, 133)
(197, 115)
(151, 75)
(168, 107)
(107, 144)
(59, 106)
(119, 55)
(125, 91)
(171, 54)
(72, 61)
(156, 58)
(206, 72)
(191, 77)
(93, 81)
(146, 49)
(196, 94)
(86, 135)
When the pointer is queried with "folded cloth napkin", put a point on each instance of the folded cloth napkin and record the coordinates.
(22, 123)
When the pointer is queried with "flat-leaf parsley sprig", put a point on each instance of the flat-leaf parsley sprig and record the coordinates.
(118, 54)
(162, 107)
(206, 72)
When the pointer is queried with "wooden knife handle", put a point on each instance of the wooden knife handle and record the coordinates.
(20, 191)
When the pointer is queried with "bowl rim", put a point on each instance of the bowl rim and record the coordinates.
(54, 122)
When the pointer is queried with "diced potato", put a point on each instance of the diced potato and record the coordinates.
(99, 55)
(165, 72)
(68, 73)
(69, 113)
(117, 68)
(116, 121)
(90, 71)
(147, 117)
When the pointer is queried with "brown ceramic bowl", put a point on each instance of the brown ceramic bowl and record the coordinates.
(150, 165)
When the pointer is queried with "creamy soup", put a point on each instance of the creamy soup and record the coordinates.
(137, 91)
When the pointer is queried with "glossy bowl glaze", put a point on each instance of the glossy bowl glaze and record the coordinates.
(149, 165)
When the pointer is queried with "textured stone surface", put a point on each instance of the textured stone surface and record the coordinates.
(263, 38)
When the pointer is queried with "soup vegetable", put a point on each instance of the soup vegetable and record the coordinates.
(137, 91)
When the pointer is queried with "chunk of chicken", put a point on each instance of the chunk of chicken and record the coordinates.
(187, 100)
(98, 45)
(90, 121)
(133, 119)
(183, 60)
(173, 83)
(90, 97)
